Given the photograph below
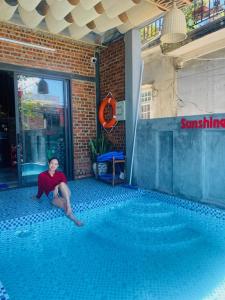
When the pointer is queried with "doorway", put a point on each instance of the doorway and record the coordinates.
(34, 126)
(8, 152)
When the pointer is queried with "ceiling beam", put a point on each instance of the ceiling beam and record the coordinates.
(200, 47)
(162, 7)
(188, 2)
(165, 5)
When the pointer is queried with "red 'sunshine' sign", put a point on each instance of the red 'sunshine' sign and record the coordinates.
(202, 123)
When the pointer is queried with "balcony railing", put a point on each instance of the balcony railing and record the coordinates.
(151, 31)
(206, 11)
(199, 13)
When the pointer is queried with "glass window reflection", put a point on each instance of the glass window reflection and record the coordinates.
(42, 124)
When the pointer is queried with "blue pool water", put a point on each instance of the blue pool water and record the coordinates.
(33, 168)
(140, 249)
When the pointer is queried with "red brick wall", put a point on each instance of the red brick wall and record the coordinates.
(71, 57)
(112, 79)
(84, 125)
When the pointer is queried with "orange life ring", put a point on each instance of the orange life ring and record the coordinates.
(109, 100)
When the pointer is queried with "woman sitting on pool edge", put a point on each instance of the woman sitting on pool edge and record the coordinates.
(54, 184)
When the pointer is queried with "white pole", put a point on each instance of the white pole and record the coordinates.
(135, 126)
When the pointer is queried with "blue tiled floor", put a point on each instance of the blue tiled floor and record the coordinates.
(86, 193)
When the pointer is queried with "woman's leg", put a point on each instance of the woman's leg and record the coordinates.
(59, 202)
(65, 199)
(65, 192)
(62, 203)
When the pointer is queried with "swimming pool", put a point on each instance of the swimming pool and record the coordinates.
(143, 248)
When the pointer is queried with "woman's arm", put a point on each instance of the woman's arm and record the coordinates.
(40, 186)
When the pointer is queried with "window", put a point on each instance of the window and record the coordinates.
(146, 98)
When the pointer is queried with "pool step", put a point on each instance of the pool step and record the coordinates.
(146, 238)
(148, 235)
(145, 203)
(126, 244)
(146, 208)
(147, 199)
(145, 219)
(147, 226)
(144, 227)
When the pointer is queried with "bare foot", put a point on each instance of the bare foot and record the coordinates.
(78, 223)
(74, 219)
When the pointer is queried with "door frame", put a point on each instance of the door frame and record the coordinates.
(69, 162)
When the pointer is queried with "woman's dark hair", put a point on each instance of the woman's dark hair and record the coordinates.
(50, 159)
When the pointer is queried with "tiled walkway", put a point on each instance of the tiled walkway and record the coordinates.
(86, 193)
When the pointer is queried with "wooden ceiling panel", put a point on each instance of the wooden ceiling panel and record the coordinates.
(76, 18)
(167, 4)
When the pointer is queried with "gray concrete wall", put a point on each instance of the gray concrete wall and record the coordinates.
(183, 162)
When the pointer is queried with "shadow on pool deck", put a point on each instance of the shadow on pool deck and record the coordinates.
(86, 193)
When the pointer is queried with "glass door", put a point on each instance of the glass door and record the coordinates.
(41, 105)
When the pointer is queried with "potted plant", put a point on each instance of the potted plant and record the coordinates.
(99, 146)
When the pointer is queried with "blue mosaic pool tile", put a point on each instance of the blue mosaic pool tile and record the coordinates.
(3, 293)
(17, 203)
(17, 209)
(88, 193)
(198, 207)
(103, 236)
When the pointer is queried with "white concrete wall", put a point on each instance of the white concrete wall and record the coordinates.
(201, 86)
(197, 88)
(159, 72)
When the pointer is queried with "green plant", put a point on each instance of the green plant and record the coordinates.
(98, 146)
(189, 13)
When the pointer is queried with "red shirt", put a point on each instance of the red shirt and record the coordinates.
(47, 183)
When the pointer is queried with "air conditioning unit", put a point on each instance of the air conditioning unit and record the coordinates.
(120, 111)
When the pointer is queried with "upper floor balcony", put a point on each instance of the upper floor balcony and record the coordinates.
(200, 13)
